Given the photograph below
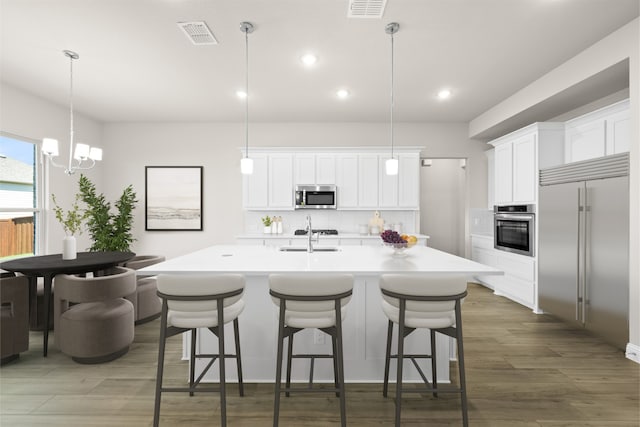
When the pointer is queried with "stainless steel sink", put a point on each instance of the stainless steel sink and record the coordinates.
(304, 249)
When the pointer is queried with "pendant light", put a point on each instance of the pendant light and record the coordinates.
(391, 165)
(83, 152)
(246, 164)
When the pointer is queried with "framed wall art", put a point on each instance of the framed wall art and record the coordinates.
(173, 198)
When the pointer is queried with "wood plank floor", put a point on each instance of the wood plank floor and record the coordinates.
(522, 370)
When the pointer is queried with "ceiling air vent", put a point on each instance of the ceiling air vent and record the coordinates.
(366, 8)
(198, 32)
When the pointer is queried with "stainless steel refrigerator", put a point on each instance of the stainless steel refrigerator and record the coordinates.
(583, 250)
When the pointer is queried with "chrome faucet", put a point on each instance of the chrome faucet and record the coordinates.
(309, 234)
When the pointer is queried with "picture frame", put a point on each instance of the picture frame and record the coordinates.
(173, 198)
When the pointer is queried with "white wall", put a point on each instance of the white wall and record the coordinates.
(620, 45)
(30, 117)
(216, 146)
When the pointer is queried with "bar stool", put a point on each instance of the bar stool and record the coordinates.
(199, 301)
(310, 301)
(423, 302)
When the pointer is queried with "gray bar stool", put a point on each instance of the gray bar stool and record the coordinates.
(310, 301)
(423, 302)
(199, 301)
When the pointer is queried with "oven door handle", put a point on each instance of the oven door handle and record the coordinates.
(515, 217)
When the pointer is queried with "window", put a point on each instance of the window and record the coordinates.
(20, 201)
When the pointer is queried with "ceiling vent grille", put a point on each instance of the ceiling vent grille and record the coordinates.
(366, 8)
(198, 32)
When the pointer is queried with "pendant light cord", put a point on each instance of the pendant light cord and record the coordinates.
(392, 95)
(246, 104)
(70, 111)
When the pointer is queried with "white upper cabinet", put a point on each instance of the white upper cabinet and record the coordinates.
(517, 158)
(600, 133)
(305, 169)
(358, 174)
(525, 169)
(347, 180)
(368, 172)
(312, 168)
(325, 169)
(281, 180)
(503, 173)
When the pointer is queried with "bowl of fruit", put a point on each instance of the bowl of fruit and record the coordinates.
(400, 243)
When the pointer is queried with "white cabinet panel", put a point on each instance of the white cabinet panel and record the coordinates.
(256, 189)
(310, 168)
(281, 181)
(347, 180)
(618, 132)
(305, 169)
(585, 141)
(525, 171)
(368, 180)
(325, 169)
(503, 173)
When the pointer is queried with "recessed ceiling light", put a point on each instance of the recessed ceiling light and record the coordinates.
(342, 93)
(241, 94)
(444, 94)
(309, 59)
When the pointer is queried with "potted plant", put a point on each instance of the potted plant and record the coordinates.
(110, 231)
(266, 221)
(71, 222)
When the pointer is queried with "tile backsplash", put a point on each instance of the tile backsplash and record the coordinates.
(343, 221)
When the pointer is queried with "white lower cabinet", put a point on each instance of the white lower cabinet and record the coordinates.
(519, 280)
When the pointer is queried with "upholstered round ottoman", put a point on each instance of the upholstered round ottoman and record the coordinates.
(97, 332)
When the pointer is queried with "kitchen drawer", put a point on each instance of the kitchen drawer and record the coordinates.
(518, 266)
(485, 242)
(516, 289)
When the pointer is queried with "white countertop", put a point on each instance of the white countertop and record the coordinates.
(359, 260)
(323, 236)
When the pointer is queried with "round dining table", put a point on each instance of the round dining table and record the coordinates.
(48, 266)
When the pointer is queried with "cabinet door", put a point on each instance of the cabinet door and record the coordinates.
(255, 187)
(347, 180)
(618, 132)
(503, 173)
(388, 185)
(281, 181)
(409, 181)
(304, 169)
(325, 169)
(525, 169)
(368, 180)
(585, 141)
(491, 188)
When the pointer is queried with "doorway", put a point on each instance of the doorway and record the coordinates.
(443, 203)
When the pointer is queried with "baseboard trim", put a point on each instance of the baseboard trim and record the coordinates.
(633, 352)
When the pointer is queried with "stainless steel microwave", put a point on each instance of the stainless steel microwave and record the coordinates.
(315, 197)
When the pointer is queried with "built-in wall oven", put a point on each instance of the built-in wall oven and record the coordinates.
(514, 229)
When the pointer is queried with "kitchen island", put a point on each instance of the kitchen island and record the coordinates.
(364, 326)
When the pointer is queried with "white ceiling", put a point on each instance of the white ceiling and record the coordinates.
(136, 65)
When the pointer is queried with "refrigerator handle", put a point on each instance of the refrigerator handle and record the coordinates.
(578, 254)
(585, 258)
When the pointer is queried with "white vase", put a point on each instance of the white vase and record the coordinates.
(69, 247)
(267, 229)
